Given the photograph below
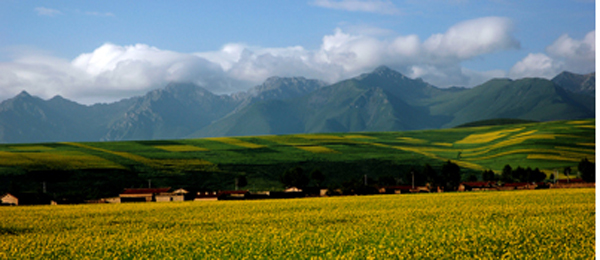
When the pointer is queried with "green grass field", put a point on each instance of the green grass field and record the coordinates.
(539, 224)
(549, 146)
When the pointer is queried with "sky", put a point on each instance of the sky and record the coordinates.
(104, 51)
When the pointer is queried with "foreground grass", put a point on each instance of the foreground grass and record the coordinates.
(514, 225)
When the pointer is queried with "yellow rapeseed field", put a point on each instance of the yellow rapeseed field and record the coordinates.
(487, 137)
(235, 141)
(181, 148)
(316, 149)
(540, 224)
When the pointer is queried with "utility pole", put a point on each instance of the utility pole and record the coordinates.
(149, 183)
(366, 180)
(413, 179)
(44, 187)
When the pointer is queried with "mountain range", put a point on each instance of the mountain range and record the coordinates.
(383, 100)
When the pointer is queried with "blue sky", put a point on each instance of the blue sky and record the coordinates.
(102, 51)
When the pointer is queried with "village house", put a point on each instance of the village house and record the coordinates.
(477, 186)
(143, 194)
(233, 195)
(10, 199)
(206, 196)
(177, 195)
(402, 189)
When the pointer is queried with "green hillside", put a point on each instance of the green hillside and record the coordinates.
(213, 163)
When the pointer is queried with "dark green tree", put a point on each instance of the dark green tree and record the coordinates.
(318, 177)
(488, 175)
(537, 175)
(451, 175)
(587, 170)
(507, 176)
(295, 177)
(241, 181)
(386, 181)
(472, 177)
(430, 175)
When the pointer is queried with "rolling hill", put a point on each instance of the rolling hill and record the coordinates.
(104, 168)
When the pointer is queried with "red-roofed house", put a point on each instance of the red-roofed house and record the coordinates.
(476, 186)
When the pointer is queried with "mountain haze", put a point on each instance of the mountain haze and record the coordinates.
(383, 100)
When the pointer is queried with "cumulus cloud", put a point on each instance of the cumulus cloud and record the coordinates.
(112, 72)
(47, 11)
(370, 6)
(565, 53)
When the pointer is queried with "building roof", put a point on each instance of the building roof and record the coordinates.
(146, 191)
(228, 192)
(518, 184)
(478, 183)
(404, 187)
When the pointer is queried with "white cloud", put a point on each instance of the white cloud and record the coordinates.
(47, 11)
(565, 53)
(535, 65)
(472, 38)
(112, 72)
(370, 6)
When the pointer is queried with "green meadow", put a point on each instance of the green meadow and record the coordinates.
(216, 162)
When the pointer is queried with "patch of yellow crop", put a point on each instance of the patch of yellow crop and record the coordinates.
(587, 144)
(286, 139)
(583, 150)
(586, 126)
(434, 156)
(13, 159)
(526, 133)
(487, 137)
(126, 155)
(509, 142)
(551, 157)
(359, 137)
(444, 144)
(411, 140)
(316, 149)
(159, 164)
(67, 160)
(579, 122)
(183, 164)
(321, 137)
(235, 141)
(516, 151)
(31, 148)
(181, 148)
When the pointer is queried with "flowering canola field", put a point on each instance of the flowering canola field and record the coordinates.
(540, 224)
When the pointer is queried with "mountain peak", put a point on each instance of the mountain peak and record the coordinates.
(578, 83)
(23, 94)
(383, 72)
(383, 69)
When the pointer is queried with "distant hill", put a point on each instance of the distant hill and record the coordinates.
(383, 100)
(494, 122)
(102, 169)
(386, 100)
